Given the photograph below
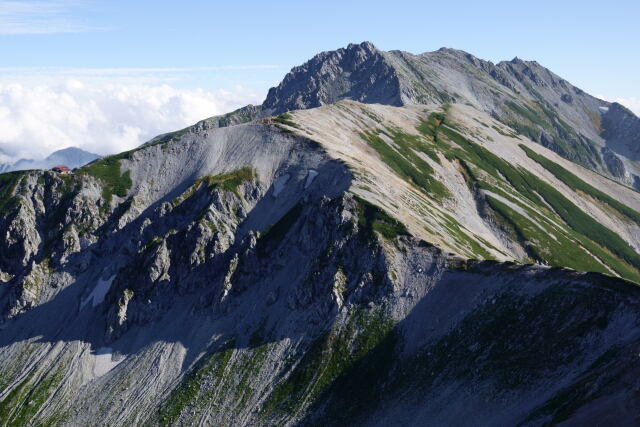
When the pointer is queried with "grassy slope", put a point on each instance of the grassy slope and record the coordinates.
(8, 183)
(342, 351)
(403, 157)
(578, 244)
(576, 183)
(553, 229)
(108, 171)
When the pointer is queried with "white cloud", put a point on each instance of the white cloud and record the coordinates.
(38, 17)
(37, 120)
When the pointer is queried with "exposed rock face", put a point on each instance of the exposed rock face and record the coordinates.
(358, 72)
(614, 164)
(621, 129)
(355, 263)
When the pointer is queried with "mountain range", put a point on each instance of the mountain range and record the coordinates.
(388, 239)
(523, 95)
(71, 157)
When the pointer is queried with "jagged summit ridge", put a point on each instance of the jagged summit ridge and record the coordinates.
(521, 94)
(359, 72)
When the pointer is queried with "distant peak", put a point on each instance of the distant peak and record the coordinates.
(72, 150)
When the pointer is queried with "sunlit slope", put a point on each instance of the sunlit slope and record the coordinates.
(470, 185)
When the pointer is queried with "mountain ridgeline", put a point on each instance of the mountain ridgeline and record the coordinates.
(71, 157)
(388, 239)
(520, 94)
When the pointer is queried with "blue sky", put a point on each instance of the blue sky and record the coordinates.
(240, 49)
(594, 44)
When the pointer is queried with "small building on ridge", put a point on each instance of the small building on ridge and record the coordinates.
(61, 169)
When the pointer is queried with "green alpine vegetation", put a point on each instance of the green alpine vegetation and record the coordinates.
(575, 183)
(188, 393)
(25, 400)
(556, 249)
(8, 183)
(528, 113)
(226, 182)
(574, 247)
(285, 119)
(331, 357)
(424, 264)
(582, 223)
(533, 116)
(172, 136)
(108, 170)
(404, 159)
(372, 218)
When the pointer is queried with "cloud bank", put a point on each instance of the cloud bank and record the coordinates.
(104, 119)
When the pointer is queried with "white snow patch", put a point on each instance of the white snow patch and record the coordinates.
(98, 293)
(279, 184)
(104, 361)
(604, 109)
(310, 177)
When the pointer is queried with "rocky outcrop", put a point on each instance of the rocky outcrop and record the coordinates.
(524, 95)
(621, 129)
(614, 164)
(358, 72)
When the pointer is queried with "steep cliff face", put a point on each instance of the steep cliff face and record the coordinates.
(358, 72)
(621, 129)
(49, 217)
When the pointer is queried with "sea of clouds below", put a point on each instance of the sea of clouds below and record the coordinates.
(36, 120)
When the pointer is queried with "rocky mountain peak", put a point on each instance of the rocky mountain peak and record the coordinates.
(617, 108)
(365, 45)
(359, 72)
